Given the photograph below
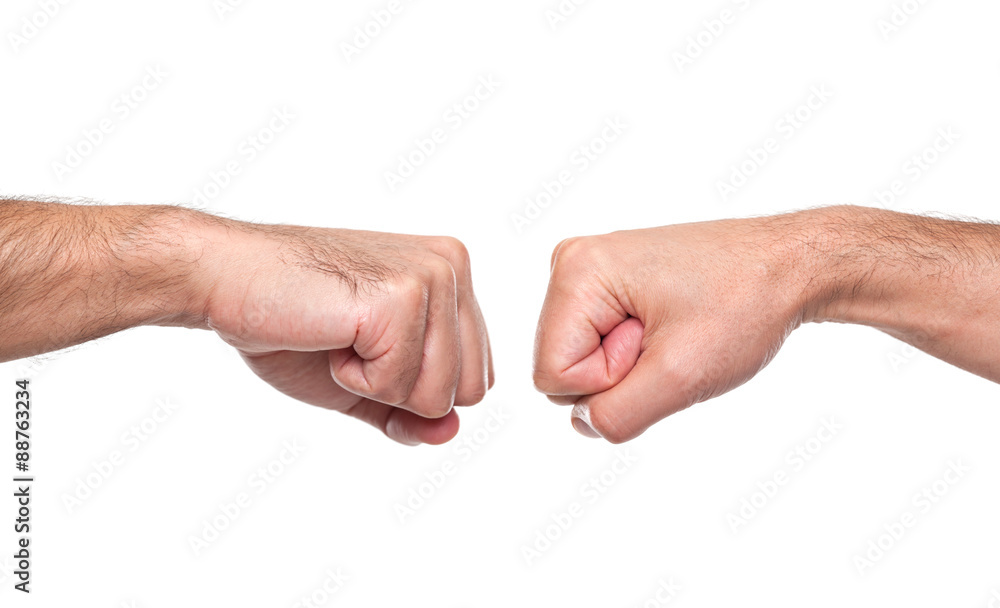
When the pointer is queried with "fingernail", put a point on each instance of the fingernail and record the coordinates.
(581, 421)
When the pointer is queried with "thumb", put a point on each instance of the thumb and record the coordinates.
(649, 393)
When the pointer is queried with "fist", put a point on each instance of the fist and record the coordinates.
(383, 327)
(638, 325)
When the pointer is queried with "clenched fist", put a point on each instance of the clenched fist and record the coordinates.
(638, 325)
(383, 327)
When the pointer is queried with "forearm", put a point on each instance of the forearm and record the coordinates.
(930, 282)
(69, 273)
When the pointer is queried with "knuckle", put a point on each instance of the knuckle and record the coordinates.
(433, 408)
(443, 277)
(435, 270)
(473, 394)
(396, 389)
(392, 395)
(443, 270)
(439, 411)
(453, 250)
(434, 392)
(558, 248)
(410, 294)
(576, 253)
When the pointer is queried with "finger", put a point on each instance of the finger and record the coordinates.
(306, 376)
(474, 376)
(433, 393)
(406, 427)
(586, 340)
(609, 363)
(584, 347)
(385, 360)
(492, 375)
(650, 392)
(564, 399)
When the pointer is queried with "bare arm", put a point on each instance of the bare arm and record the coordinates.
(931, 282)
(69, 274)
(640, 324)
(383, 327)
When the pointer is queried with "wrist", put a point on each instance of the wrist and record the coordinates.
(797, 249)
(856, 268)
(823, 242)
(163, 255)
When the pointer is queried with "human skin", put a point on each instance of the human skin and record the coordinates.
(383, 327)
(638, 325)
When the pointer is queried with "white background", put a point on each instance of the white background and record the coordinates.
(904, 416)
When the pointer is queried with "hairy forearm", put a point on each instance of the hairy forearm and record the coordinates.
(71, 273)
(930, 282)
